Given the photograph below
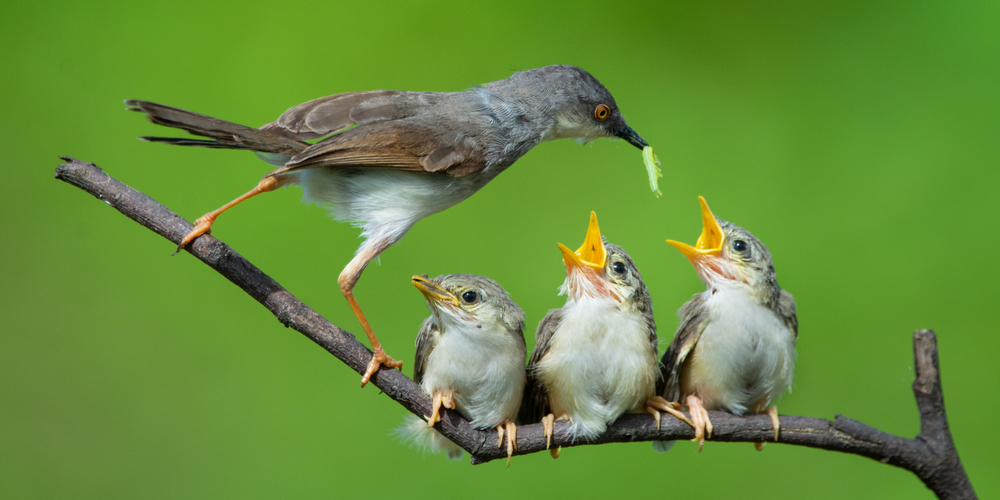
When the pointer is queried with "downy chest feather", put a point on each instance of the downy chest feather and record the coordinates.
(745, 356)
(600, 365)
(486, 373)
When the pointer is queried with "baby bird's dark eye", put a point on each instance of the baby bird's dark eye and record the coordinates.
(618, 268)
(740, 246)
(469, 297)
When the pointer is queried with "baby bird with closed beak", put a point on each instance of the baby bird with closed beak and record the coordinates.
(596, 357)
(735, 347)
(470, 356)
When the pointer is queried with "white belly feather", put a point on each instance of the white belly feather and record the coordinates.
(745, 356)
(486, 374)
(384, 203)
(599, 365)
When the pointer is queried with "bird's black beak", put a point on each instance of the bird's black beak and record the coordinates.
(629, 135)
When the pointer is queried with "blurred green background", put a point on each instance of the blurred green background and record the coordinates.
(858, 140)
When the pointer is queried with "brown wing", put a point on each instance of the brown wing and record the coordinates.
(693, 322)
(383, 136)
(535, 403)
(326, 115)
(787, 310)
(388, 133)
(426, 340)
(654, 342)
(403, 146)
(640, 297)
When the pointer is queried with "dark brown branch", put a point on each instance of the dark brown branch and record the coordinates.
(931, 455)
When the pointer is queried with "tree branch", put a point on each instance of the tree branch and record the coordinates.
(931, 455)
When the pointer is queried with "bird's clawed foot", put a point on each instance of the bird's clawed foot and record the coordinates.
(656, 404)
(547, 422)
(773, 413)
(702, 424)
(201, 226)
(379, 358)
(441, 398)
(511, 430)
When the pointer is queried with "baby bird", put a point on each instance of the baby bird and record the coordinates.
(596, 358)
(470, 357)
(735, 347)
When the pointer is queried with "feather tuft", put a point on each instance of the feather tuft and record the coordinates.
(415, 433)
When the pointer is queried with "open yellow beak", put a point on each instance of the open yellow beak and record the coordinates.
(711, 240)
(433, 292)
(591, 253)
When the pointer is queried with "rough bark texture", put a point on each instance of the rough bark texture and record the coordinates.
(931, 455)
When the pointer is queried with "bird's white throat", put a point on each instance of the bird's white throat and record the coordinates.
(572, 126)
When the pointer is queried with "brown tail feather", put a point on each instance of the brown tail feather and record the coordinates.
(176, 141)
(226, 135)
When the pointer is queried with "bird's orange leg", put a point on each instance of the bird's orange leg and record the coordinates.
(773, 413)
(440, 399)
(511, 430)
(348, 278)
(702, 424)
(656, 404)
(204, 223)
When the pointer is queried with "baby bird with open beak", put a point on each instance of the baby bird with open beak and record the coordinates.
(735, 347)
(470, 357)
(596, 358)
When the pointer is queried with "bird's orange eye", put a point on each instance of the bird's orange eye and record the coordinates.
(602, 112)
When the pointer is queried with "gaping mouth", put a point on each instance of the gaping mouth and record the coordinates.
(591, 253)
(706, 254)
(585, 267)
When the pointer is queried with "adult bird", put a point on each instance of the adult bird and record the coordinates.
(735, 347)
(386, 158)
(596, 357)
(470, 357)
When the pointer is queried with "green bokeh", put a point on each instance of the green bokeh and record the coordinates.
(858, 140)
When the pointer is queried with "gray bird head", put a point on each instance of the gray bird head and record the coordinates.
(601, 269)
(576, 102)
(470, 299)
(727, 253)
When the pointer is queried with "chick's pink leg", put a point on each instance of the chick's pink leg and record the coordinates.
(702, 424)
(656, 404)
